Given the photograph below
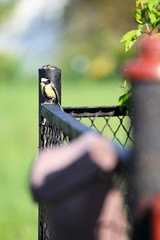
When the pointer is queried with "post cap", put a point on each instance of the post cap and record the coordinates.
(146, 66)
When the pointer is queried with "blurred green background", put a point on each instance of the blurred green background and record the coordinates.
(82, 38)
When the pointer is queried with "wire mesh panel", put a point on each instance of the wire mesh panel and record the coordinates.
(108, 121)
(51, 137)
(117, 128)
(59, 128)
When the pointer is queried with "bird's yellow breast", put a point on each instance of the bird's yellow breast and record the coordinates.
(49, 91)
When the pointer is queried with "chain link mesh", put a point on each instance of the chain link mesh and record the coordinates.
(50, 137)
(119, 128)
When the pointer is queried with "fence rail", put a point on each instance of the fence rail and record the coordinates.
(63, 121)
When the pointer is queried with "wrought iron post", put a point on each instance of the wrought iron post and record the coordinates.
(144, 73)
(54, 74)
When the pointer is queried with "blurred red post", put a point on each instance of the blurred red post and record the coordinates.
(144, 73)
(156, 217)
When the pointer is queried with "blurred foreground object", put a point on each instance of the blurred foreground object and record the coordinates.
(144, 73)
(75, 181)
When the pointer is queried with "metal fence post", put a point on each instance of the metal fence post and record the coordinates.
(53, 73)
(144, 73)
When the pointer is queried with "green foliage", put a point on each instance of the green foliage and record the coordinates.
(124, 100)
(130, 38)
(147, 15)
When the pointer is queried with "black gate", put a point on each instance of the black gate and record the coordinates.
(58, 126)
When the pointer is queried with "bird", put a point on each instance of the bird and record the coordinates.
(49, 91)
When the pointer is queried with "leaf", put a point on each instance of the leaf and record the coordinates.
(138, 2)
(141, 2)
(125, 85)
(153, 17)
(146, 1)
(129, 43)
(139, 32)
(158, 5)
(141, 27)
(138, 15)
(124, 101)
(151, 4)
(147, 14)
(129, 35)
(130, 38)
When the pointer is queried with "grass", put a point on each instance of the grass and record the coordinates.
(91, 93)
(19, 145)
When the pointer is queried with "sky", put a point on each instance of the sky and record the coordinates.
(33, 30)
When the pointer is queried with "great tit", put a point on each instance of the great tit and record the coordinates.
(48, 90)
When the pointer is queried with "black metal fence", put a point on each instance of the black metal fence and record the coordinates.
(59, 126)
(106, 120)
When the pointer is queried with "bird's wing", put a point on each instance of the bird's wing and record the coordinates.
(55, 90)
(42, 88)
